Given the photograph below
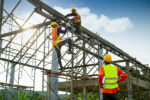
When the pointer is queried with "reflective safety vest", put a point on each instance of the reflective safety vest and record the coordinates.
(56, 37)
(111, 77)
(77, 18)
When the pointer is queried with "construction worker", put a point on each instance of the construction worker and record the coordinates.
(108, 77)
(76, 21)
(57, 40)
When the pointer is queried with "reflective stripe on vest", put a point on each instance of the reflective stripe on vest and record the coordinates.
(110, 83)
(56, 42)
(55, 36)
(111, 77)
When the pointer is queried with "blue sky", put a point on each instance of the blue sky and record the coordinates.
(135, 40)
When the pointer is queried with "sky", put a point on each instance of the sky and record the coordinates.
(125, 23)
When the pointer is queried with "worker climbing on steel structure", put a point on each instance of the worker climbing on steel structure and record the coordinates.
(76, 22)
(109, 76)
(57, 40)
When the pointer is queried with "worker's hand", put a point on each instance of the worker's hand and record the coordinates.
(117, 82)
(101, 86)
(64, 24)
(69, 27)
(63, 17)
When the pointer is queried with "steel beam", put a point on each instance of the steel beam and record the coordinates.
(1, 18)
(100, 41)
(12, 11)
(28, 65)
(24, 29)
(82, 66)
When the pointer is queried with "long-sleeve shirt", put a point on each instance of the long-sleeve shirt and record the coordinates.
(122, 76)
(71, 14)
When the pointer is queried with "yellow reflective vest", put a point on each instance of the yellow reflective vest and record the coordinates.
(111, 77)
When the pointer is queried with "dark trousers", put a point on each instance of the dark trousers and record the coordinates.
(77, 27)
(58, 47)
(107, 96)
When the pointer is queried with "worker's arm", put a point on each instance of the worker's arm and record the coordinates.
(101, 76)
(59, 30)
(53, 32)
(122, 75)
(71, 14)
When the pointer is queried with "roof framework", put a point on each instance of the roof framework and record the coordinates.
(28, 50)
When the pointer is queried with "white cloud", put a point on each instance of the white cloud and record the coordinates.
(97, 23)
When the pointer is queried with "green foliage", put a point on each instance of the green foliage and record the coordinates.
(136, 73)
(90, 96)
(121, 96)
(1, 97)
(93, 96)
(140, 96)
(22, 96)
(37, 96)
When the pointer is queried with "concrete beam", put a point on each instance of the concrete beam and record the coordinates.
(94, 82)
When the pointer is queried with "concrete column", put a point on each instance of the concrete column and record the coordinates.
(84, 93)
(11, 81)
(76, 96)
(72, 78)
(1, 17)
(48, 87)
(129, 85)
(149, 83)
(101, 62)
(146, 71)
(53, 84)
(84, 73)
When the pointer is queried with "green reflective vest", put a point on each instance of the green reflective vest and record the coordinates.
(111, 77)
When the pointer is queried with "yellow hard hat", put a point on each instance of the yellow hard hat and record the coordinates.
(107, 58)
(73, 9)
(53, 23)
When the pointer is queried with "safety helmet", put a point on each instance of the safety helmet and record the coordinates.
(73, 9)
(53, 23)
(107, 58)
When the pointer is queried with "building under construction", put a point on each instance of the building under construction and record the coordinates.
(26, 54)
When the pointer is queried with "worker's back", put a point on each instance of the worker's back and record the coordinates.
(108, 77)
(111, 77)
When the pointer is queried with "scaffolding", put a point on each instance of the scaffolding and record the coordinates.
(26, 54)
